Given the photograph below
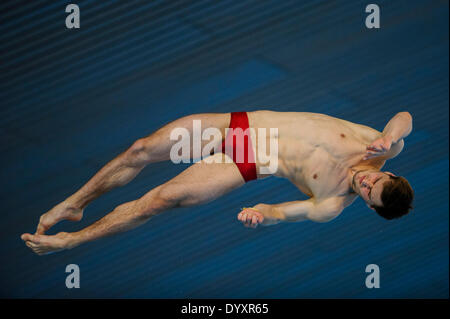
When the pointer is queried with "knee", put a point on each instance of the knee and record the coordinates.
(169, 195)
(161, 198)
(138, 146)
(179, 195)
(138, 152)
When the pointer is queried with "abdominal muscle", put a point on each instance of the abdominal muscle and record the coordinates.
(315, 151)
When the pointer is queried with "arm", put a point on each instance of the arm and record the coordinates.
(391, 143)
(318, 211)
(399, 127)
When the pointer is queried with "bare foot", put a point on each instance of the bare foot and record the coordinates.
(44, 245)
(62, 211)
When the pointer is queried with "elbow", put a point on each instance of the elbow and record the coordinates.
(406, 114)
(409, 119)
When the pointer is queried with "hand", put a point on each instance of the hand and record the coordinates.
(44, 245)
(378, 147)
(250, 217)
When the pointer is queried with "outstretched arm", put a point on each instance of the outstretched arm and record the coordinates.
(390, 144)
(296, 211)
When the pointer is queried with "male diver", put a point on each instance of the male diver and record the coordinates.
(331, 160)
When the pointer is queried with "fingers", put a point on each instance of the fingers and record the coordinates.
(367, 157)
(243, 216)
(252, 221)
(247, 219)
(250, 218)
(382, 144)
(372, 152)
(379, 148)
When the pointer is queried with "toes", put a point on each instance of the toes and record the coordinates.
(26, 237)
(30, 244)
(41, 229)
(34, 247)
(31, 238)
(43, 226)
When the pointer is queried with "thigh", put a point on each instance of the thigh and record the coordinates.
(207, 120)
(203, 182)
(158, 144)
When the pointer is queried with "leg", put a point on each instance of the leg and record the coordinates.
(121, 170)
(198, 184)
(156, 147)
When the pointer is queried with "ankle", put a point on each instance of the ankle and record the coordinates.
(73, 204)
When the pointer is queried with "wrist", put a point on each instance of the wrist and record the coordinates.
(260, 208)
(269, 211)
(389, 138)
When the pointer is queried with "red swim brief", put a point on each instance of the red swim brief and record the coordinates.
(239, 143)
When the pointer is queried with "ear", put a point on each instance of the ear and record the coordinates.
(391, 174)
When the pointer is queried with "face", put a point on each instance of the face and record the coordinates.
(369, 185)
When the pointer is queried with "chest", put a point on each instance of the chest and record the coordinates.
(320, 174)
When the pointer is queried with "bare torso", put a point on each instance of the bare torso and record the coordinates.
(316, 151)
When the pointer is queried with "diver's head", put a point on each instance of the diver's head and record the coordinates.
(389, 195)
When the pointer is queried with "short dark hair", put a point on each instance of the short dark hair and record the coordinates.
(397, 196)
